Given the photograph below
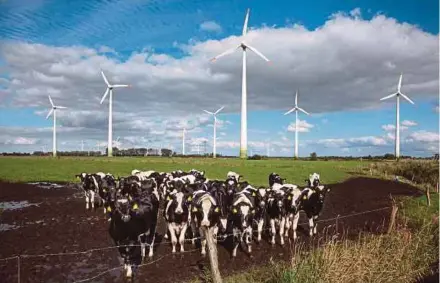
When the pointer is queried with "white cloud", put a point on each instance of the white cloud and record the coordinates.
(210, 26)
(20, 141)
(408, 123)
(436, 109)
(388, 127)
(351, 142)
(303, 126)
(424, 136)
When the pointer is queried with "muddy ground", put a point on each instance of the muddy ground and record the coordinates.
(58, 222)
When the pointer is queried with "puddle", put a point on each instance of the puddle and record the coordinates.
(7, 227)
(47, 185)
(13, 205)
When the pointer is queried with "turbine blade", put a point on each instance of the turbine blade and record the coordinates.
(60, 107)
(105, 78)
(121, 85)
(246, 19)
(296, 98)
(400, 82)
(290, 111)
(50, 113)
(208, 112)
(302, 110)
(220, 109)
(407, 98)
(257, 52)
(104, 96)
(51, 102)
(229, 51)
(389, 96)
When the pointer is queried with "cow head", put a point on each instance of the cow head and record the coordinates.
(274, 178)
(231, 186)
(124, 207)
(206, 210)
(261, 197)
(234, 175)
(178, 202)
(108, 185)
(148, 185)
(321, 192)
(314, 180)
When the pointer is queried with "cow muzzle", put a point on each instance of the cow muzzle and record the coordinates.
(205, 223)
(126, 217)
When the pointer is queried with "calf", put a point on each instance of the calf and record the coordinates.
(260, 203)
(311, 202)
(276, 213)
(205, 213)
(242, 215)
(106, 189)
(176, 215)
(313, 181)
(292, 201)
(90, 183)
(234, 175)
(274, 178)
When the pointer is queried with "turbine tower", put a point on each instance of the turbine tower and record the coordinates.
(54, 111)
(110, 112)
(296, 109)
(183, 141)
(397, 95)
(244, 46)
(214, 152)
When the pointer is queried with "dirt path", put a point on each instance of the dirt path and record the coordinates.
(59, 223)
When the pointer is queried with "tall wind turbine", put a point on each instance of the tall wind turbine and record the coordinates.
(244, 46)
(183, 141)
(214, 152)
(54, 111)
(296, 109)
(110, 112)
(397, 95)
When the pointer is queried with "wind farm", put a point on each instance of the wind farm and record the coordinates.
(233, 142)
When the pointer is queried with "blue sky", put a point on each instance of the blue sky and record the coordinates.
(342, 55)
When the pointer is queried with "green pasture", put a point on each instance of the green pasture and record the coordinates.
(63, 169)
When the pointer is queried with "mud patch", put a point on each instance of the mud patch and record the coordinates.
(14, 205)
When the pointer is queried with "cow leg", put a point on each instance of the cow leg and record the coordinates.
(203, 241)
(86, 194)
(129, 271)
(92, 198)
(143, 250)
(315, 224)
(236, 238)
(150, 252)
(172, 230)
(311, 226)
(295, 225)
(288, 224)
(182, 237)
(194, 233)
(282, 224)
(215, 233)
(260, 224)
(249, 239)
(273, 230)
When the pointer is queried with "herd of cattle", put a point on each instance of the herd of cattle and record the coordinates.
(229, 207)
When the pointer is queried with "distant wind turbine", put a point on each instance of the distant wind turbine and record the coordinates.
(244, 46)
(397, 95)
(296, 109)
(54, 111)
(110, 112)
(214, 149)
(183, 141)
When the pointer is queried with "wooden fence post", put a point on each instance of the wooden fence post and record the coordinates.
(437, 188)
(213, 257)
(428, 196)
(393, 215)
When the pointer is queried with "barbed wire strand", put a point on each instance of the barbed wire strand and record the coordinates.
(169, 242)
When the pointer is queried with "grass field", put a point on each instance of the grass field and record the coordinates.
(28, 169)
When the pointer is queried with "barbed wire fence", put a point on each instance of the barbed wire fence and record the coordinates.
(19, 258)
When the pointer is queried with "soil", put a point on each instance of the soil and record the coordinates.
(59, 223)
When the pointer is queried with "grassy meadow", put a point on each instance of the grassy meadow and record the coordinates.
(63, 169)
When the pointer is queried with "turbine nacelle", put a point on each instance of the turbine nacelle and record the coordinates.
(54, 107)
(398, 93)
(110, 87)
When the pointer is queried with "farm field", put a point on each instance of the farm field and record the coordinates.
(59, 222)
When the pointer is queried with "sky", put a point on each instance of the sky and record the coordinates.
(341, 56)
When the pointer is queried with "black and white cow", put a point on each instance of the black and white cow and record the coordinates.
(90, 183)
(313, 181)
(276, 213)
(204, 213)
(234, 175)
(311, 202)
(274, 178)
(107, 186)
(176, 215)
(292, 204)
(241, 217)
(260, 196)
(131, 221)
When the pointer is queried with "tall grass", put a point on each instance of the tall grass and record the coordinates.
(401, 256)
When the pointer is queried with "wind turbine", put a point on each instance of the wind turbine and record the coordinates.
(110, 112)
(244, 46)
(214, 152)
(397, 95)
(54, 111)
(296, 109)
(183, 141)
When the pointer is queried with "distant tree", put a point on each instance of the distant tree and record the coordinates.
(313, 156)
(166, 152)
(389, 156)
(436, 156)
